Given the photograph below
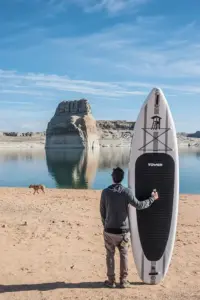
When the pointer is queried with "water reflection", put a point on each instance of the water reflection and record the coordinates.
(112, 157)
(77, 168)
(72, 168)
(14, 155)
(198, 155)
(189, 152)
(82, 169)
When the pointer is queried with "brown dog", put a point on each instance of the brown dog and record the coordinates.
(37, 187)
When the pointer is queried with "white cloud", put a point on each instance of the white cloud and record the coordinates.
(124, 50)
(91, 6)
(38, 84)
(112, 6)
(137, 50)
(122, 61)
(185, 89)
(20, 91)
(51, 8)
(15, 102)
(41, 84)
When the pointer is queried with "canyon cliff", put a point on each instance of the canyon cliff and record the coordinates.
(72, 126)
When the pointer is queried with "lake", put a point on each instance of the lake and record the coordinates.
(80, 169)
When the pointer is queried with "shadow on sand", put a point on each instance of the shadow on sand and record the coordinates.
(54, 286)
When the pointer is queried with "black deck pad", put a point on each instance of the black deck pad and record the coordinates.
(154, 222)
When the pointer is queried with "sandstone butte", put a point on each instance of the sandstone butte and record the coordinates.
(72, 126)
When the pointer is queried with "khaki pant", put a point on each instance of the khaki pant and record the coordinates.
(113, 241)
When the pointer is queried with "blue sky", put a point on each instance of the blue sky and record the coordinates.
(112, 52)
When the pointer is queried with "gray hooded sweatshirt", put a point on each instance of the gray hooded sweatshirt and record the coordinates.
(114, 207)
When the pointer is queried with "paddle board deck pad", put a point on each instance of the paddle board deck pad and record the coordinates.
(154, 164)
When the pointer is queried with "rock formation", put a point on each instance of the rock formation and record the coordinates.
(72, 126)
(115, 133)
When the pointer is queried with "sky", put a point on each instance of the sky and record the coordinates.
(111, 52)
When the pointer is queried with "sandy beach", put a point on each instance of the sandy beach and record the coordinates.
(52, 248)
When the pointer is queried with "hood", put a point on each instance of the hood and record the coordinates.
(118, 188)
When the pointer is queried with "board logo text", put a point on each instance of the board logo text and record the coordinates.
(155, 164)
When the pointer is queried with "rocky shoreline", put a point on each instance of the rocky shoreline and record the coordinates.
(111, 134)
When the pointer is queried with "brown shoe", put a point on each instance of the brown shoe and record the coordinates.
(110, 284)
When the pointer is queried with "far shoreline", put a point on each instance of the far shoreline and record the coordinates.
(39, 142)
(30, 146)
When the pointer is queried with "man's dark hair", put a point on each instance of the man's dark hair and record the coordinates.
(117, 175)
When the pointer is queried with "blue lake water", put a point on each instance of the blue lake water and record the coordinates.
(81, 169)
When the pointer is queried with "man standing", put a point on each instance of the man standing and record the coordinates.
(114, 214)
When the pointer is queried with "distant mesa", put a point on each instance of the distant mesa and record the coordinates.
(194, 135)
(72, 126)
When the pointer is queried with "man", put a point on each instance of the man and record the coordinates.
(114, 214)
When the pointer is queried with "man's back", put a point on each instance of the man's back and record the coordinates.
(114, 207)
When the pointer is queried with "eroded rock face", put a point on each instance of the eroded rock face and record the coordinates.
(117, 133)
(72, 126)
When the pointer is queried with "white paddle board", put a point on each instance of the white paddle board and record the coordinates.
(154, 164)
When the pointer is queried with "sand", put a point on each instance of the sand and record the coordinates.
(52, 248)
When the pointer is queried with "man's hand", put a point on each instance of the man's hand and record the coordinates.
(154, 194)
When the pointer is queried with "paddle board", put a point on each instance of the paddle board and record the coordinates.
(154, 164)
